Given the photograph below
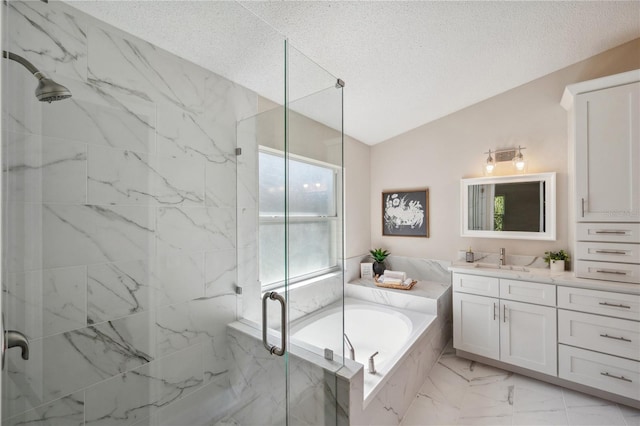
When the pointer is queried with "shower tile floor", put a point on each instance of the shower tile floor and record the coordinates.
(463, 392)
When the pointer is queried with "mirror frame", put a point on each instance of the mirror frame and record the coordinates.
(550, 207)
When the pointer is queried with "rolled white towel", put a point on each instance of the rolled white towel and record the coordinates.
(398, 275)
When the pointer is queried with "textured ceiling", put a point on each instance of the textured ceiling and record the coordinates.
(404, 63)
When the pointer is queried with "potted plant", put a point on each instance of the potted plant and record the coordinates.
(556, 259)
(379, 255)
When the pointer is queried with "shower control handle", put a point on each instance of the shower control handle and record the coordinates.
(274, 350)
(12, 339)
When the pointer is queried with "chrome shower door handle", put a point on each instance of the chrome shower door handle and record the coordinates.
(274, 350)
(12, 339)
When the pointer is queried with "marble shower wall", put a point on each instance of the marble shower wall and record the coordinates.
(121, 238)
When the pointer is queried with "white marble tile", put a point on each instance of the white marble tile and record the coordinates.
(118, 289)
(80, 358)
(126, 177)
(247, 169)
(475, 372)
(574, 399)
(631, 415)
(194, 229)
(24, 236)
(22, 384)
(138, 69)
(485, 420)
(221, 272)
(221, 184)
(104, 121)
(193, 322)
(138, 394)
(421, 269)
(178, 278)
(75, 235)
(42, 169)
(595, 415)
(50, 37)
(66, 411)
(534, 395)
(552, 417)
(488, 400)
(426, 410)
(181, 134)
(240, 101)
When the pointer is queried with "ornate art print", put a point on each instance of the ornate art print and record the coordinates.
(405, 213)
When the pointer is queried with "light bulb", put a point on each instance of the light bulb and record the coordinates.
(518, 160)
(489, 166)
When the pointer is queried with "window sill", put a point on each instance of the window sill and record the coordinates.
(306, 282)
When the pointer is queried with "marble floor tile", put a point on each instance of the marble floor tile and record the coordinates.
(461, 392)
(609, 415)
(631, 415)
(555, 417)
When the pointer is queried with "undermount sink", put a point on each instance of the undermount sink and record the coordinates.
(503, 267)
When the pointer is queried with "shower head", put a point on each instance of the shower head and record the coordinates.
(47, 90)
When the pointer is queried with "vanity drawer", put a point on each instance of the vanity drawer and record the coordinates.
(613, 336)
(476, 284)
(608, 373)
(523, 291)
(608, 232)
(608, 271)
(608, 252)
(600, 302)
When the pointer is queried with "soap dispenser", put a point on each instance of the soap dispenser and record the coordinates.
(469, 256)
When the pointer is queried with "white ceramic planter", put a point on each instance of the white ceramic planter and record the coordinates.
(556, 265)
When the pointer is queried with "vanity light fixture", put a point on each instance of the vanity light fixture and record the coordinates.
(501, 155)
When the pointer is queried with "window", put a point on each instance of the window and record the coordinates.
(313, 218)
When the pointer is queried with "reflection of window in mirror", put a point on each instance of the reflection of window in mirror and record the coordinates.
(498, 213)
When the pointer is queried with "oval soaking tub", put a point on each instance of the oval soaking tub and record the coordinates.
(371, 328)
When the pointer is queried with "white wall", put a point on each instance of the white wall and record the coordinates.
(438, 154)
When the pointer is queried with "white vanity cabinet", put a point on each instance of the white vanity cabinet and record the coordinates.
(607, 154)
(599, 340)
(504, 329)
(604, 154)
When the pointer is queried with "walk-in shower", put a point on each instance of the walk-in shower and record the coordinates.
(136, 244)
(47, 90)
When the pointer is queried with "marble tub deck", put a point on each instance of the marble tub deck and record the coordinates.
(462, 392)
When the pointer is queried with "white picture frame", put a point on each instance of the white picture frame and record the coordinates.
(366, 270)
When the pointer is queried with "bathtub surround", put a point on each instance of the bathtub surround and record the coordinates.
(390, 400)
(416, 268)
(122, 264)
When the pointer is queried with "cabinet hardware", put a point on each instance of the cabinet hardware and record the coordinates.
(611, 252)
(504, 313)
(617, 377)
(604, 271)
(494, 311)
(615, 338)
(582, 207)
(614, 305)
(611, 232)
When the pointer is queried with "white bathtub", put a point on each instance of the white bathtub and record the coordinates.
(371, 327)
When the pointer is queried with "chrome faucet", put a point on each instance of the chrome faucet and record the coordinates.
(503, 257)
(352, 352)
(372, 364)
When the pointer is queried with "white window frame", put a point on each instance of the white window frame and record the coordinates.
(334, 220)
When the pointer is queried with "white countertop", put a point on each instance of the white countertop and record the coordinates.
(426, 289)
(546, 276)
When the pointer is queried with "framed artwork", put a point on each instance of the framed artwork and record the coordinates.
(405, 213)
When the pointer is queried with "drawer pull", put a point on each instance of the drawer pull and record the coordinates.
(494, 311)
(604, 271)
(611, 232)
(504, 313)
(615, 338)
(617, 377)
(614, 305)
(611, 252)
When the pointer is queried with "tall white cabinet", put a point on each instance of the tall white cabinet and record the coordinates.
(604, 130)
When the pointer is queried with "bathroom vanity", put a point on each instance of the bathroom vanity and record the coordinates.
(579, 333)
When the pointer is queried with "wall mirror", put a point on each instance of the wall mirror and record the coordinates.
(517, 207)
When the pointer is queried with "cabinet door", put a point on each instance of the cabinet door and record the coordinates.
(608, 154)
(476, 324)
(528, 336)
